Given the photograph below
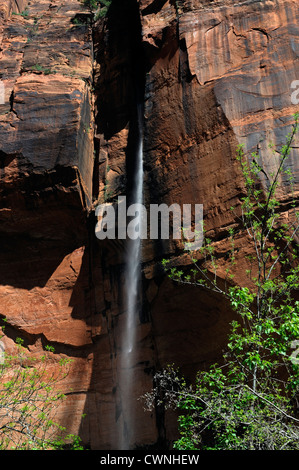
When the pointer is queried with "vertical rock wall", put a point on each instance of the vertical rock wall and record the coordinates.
(46, 171)
(213, 75)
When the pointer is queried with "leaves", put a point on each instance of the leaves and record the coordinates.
(29, 396)
(250, 401)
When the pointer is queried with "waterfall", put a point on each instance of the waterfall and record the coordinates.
(128, 356)
(134, 249)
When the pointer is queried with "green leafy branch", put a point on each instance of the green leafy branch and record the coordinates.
(249, 402)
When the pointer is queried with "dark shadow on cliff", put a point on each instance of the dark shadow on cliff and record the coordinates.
(42, 220)
(117, 52)
(26, 262)
(119, 91)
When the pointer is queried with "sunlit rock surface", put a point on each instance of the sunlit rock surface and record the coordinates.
(214, 75)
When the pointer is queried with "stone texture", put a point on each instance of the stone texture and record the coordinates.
(46, 171)
(214, 75)
(9, 7)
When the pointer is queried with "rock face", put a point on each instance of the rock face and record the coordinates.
(12, 6)
(46, 128)
(210, 76)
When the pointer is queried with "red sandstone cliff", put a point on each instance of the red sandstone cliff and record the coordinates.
(214, 74)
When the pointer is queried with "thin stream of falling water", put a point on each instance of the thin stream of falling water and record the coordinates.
(133, 253)
(132, 287)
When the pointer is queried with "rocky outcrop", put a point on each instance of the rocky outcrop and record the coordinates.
(46, 171)
(9, 7)
(219, 75)
(211, 76)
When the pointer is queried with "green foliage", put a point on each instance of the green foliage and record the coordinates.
(249, 402)
(29, 398)
(222, 412)
(79, 22)
(24, 13)
(102, 7)
(40, 68)
(92, 4)
(179, 7)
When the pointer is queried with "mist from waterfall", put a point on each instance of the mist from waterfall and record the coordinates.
(128, 356)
